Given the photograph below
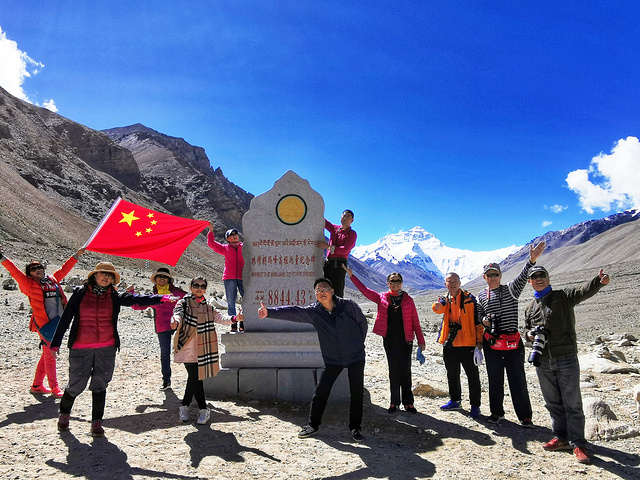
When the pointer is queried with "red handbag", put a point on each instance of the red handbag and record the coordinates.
(506, 341)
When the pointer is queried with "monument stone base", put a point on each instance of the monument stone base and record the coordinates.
(294, 367)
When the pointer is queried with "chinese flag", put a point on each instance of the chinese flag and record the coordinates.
(129, 230)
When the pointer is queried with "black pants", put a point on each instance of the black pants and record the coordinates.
(356, 388)
(333, 271)
(454, 357)
(399, 360)
(194, 388)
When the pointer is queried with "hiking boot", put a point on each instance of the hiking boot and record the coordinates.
(495, 419)
(392, 409)
(410, 409)
(39, 389)
(234, 327)
(96, 429)
(204, 416)
(241, 326)
(475, 411)
(63, 422)
(451, 405)
(307, 432)
(581, 455)
(165, 386)
(184, 413)
(56, 392)
(556, 444)
(356, 435)
(526, 423)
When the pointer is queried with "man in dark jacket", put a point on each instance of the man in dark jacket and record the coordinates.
(341, 328)
(551, 324)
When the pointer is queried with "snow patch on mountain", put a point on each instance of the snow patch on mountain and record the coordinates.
(423, 250)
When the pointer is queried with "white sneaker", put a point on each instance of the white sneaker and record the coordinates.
(184, 413)
(205, 415)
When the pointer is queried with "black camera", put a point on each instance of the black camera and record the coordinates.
(540, 334)
(494, 326)
(454, 328)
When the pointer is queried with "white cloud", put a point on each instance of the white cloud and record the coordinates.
(50, 105)
(556, 208)
(546, 223)
(615, 179)
(16, 66)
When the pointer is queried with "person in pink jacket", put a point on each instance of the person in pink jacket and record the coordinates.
(47, 300)
(162, 313)
(397, 321)
(233, 265)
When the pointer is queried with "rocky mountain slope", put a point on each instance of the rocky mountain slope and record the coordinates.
(58, 179)
(179, 177)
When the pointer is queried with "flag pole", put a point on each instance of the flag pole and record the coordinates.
(103, 221)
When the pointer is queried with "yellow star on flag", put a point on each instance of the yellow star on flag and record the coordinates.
(138, 234)
(128, 218)
(148, 230)
(153, 222)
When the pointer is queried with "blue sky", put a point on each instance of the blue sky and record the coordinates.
(485, 123)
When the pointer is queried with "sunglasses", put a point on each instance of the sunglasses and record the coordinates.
(493, 275)
(198, 286)
(536, 276)
(160, 277)
(39, 267)
(395, 282)
(322, 290)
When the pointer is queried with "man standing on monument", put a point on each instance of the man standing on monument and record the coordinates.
(342, 328)
(341, 240)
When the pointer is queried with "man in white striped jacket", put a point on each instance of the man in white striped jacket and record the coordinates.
(502, 345)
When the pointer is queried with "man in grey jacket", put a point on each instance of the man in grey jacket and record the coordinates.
(551, 324)
(342, 329)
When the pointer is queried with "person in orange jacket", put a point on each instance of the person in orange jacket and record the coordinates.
(47, 300)
(461, 336)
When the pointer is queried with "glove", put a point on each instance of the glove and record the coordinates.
(169, 299)
(420, 356)
(477, 357)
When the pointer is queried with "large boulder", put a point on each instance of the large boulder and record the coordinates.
(602, 424)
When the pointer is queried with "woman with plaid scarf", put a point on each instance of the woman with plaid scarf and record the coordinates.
(196, 344)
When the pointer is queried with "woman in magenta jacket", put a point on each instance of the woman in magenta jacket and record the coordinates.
(398, 323)
(163, 285)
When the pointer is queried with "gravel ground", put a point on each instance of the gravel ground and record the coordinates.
(250, 438)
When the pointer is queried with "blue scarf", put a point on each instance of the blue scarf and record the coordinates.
(542, 293)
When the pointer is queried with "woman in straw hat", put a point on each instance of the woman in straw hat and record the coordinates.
(163, 285)
(92, 312)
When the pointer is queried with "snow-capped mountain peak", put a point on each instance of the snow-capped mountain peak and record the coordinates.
(421, 249)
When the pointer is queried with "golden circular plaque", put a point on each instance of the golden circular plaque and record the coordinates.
(291, 209)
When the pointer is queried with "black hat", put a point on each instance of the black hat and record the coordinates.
(538, 270)
(492, 266)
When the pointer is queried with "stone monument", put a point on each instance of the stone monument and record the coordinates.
(277, 358)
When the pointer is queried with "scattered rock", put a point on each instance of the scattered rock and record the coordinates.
(602, 424)
(425, 390)
(598, 364)
(9, 284)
